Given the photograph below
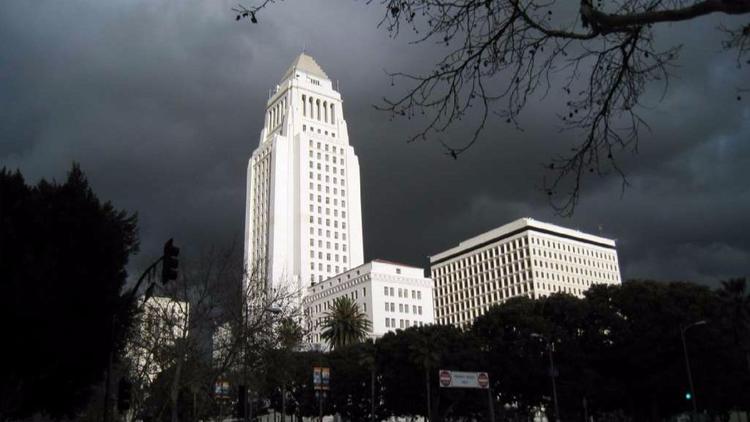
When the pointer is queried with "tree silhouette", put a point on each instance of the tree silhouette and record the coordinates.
(345, 324)
(600, 57)
(62, 267)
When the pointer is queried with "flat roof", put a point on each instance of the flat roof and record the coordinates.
(516, 227)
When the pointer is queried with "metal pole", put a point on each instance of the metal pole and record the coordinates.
(551, 349)
(689, 373)
(320, 407)
(491, 403)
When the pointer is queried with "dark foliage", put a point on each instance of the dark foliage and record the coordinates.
(618, 350)
(62, 267)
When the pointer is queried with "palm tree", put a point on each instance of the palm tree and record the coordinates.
(345, 324)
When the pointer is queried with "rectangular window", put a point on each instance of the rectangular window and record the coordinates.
(385, 289)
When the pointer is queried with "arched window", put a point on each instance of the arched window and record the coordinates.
(325, 111)
(317, 108)
(304, 105)
(333, 114)
(312, 112)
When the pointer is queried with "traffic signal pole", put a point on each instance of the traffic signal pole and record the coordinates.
(169, 272)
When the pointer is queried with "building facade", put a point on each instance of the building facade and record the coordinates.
(161, 323)
(393, 296)
(522, 258)
(303, 220)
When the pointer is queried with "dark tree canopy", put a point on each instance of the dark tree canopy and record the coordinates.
(63, 254)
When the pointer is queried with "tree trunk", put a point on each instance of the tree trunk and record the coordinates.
(174, 392)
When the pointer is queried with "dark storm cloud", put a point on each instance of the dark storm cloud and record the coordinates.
(162, 104)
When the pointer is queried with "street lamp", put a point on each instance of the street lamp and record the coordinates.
(683, 329)
(550, 350)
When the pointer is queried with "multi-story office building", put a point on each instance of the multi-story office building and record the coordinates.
(524, 257)
(394, 296)
(303, 220)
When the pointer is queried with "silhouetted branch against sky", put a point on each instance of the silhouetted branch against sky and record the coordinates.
(601, 57)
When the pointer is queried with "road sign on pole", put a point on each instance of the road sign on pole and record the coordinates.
(321, 378)
(456, 379)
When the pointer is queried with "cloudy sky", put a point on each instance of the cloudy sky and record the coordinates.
(162, 103)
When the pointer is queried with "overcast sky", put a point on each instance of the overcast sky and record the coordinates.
(162, 103)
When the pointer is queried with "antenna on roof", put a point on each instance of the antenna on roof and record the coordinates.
(337, 85)
(304, 47)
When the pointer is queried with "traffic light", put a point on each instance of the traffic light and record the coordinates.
(124, 394)
(688, 396)
(169, 262)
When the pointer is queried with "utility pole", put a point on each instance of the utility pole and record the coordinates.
(552, 374)
(169, 272)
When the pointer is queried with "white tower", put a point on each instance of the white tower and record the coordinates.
(303, 218)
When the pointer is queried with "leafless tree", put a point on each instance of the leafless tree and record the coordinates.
(202, 325)
(600, 55)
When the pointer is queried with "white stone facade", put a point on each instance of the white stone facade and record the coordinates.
(522, 258)
(162, 322)
(394, 296)
(303, 220)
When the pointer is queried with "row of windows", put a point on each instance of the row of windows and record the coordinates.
(567, 247)
(312, 129)
(497, 251)
(404, 293)
(327, 257)
(327, 158)
(328, 233)
(403, 308)
(276, 113)
(328, 169)
(328, 210)
(314, 108)
(353, 295)
(328, 222)
(402, 323)
(325, 147)
(328, 245)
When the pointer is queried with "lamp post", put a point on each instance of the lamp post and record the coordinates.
(550, 351)
(683, 329)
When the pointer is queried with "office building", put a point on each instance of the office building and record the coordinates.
(522, 258)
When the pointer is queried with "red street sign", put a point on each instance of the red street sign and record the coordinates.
(483, 380)
(445, 378)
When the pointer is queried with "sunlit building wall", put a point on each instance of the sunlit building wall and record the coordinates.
(522, 258)
(393, 296)
(303, 220)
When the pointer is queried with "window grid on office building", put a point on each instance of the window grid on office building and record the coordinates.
(528, 264)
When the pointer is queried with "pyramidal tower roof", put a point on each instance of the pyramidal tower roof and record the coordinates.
(306, 64)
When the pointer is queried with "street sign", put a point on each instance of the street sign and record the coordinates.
(456, 379)
(321, 378)
(325, 377)
(483, 380)
(445, 378)
(221, 389)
